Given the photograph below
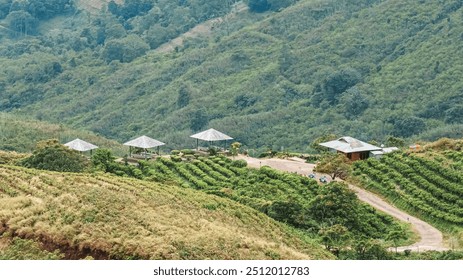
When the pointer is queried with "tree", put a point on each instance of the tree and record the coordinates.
(235, 148)
(406, 126)
(335, 204)
(395, 142)
(370, 249)
(198, 119)
(336, 165)
(276, 5)
(258, 6)
(103, 160)
(183, 98)
(335, 238)
(51, 155)
(22, 22)
(396, 236)
(353, 102)
(324, 138)
(335, 84)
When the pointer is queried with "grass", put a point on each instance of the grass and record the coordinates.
(21, 134)
(107, 217)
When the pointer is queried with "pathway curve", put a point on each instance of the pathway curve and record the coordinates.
(430, 237)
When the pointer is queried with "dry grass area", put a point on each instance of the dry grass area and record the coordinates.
(108, 217)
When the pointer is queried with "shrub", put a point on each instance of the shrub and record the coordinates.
(176, 158)
(51, 155)
(188, 152)
(239, 163)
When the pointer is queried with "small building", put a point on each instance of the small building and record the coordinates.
(353, 148)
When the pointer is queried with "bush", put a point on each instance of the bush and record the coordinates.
(188, 152)
(239, 163)
(51, 155)
(176, 158)
(175, 152)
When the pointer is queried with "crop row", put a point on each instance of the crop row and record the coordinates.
(397, 181)
(414, 176)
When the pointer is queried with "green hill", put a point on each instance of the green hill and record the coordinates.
(76, 216)
(368, 68)
(426, 183)
(22, 134)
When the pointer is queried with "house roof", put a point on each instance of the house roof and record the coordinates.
(211, 135)
(144, 142)
(349, 145)
(80, 145)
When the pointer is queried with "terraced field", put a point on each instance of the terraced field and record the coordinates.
(287, 197)
(430, 186)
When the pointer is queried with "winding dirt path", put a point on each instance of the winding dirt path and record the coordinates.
(430, 237)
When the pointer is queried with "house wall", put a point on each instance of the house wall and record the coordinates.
(358, 156)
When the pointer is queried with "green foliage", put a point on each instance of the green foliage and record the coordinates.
(120, 216)
(335, 238)
(103, 160)
(258, 6)
(365, 68)
(290, 198)
(334, 164)
(395, 142)
(183, 98)
(22, 23)
(239, 163)
(331, 88)
(315, 145)
(423, 186)
(50, 155)
(24, 249)
(235, 148)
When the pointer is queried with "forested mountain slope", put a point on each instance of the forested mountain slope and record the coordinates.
(368, 68)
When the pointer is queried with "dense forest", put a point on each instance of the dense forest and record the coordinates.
(272, 74)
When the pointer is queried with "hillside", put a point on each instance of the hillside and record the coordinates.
(271, 80)
(106, 217)
(22, 134)
(425, 183)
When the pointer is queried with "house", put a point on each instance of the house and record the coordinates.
(353, 148)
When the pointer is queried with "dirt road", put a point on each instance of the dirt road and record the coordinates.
(431, 238)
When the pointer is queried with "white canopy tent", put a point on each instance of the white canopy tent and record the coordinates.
(210, 135)
(143, 142)
(80, 145)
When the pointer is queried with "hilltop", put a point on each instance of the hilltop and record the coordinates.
(105, 217)
(275, 79)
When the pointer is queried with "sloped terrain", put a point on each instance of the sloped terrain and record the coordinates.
(22, 134)
(106, 217)
(366, 68)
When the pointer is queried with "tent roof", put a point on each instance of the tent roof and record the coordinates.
(144, 142)
(211, 135)
(349, 145)
(80, 145)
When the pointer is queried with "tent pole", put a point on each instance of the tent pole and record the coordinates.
(197, 145)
